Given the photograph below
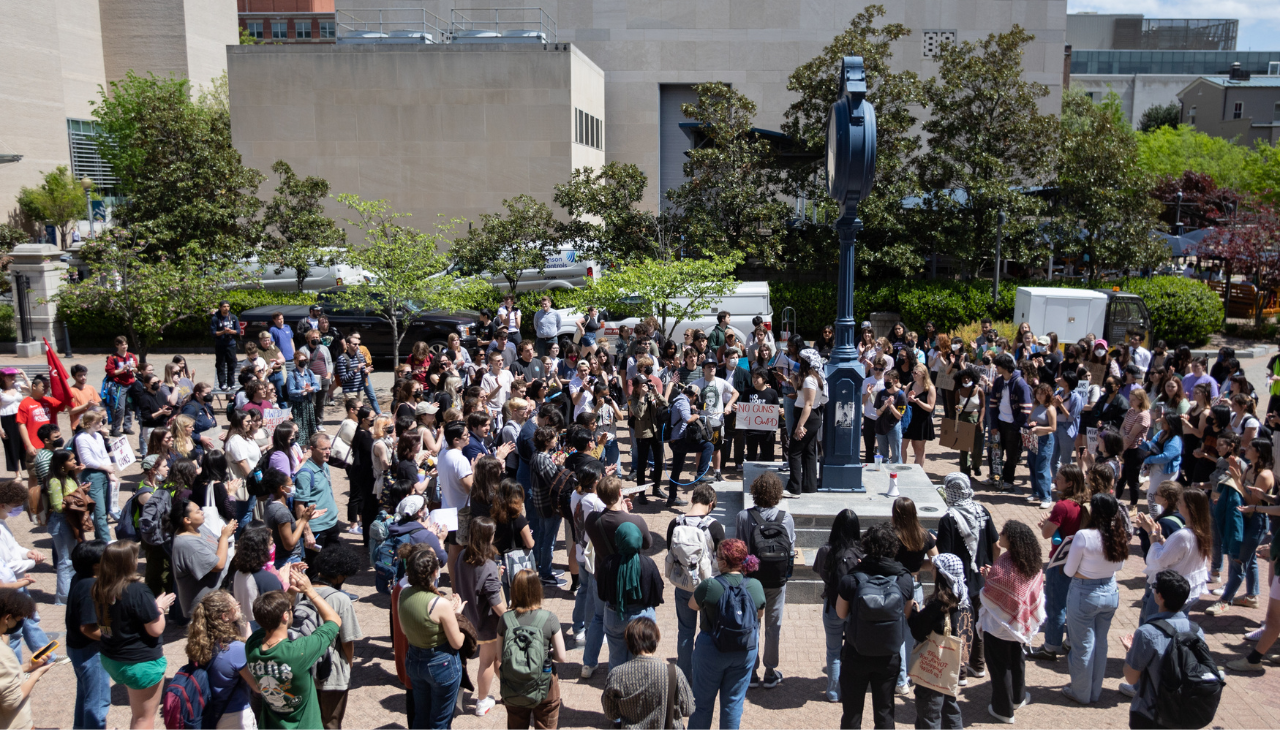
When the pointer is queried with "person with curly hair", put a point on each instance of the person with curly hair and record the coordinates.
(17, 680)
(767, 492)
(723, 673)
(214, 643)
(1012, 609)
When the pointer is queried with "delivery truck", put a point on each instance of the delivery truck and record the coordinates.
(1074, 313)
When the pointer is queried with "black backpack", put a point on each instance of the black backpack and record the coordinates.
(253, 480)
(771, 544)
(1190, 685)
(876, 616)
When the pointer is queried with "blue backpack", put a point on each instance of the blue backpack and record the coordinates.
(386, 561)
(906, 418)
(738, 623)
(185, 696)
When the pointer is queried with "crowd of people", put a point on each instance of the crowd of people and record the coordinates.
(465, 480)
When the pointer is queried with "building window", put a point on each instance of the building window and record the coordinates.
(85, 161)
(255, 29)
(1275, 114)
(302, 29)
(327, 29)
(933, 40)
(588, 130)
(1238, 110)
(1191, 117)
(279, 31)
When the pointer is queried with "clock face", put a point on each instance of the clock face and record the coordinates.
(833, 142)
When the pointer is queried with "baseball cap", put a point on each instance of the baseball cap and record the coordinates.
(426, 407)
(410, 505)
(866, 324)
(1042, 340)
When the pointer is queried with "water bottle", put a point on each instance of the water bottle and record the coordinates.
(879, 459)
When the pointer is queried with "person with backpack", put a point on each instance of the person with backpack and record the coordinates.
(479, 586)
(1011, 611)
(687, 436)
(530, 644)
(93, 686)
(771, 537)
(430, 625)
(1152, 665)
(198, 556)
(692, 539)
(967, 531)
(280, 665)
(725, 651)
(646, 692)
(412, 526)
(836, 559)
(874, 600)
(332, 567)
(215, 652)
(630, 585)
(1095, 556)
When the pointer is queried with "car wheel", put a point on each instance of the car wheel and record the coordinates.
(437, 347)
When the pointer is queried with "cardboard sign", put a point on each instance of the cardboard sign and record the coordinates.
(756, 416)
(1097, 372)
(121, 452)
(272, 417)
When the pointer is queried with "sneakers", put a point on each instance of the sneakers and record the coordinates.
(355, 530)
(580, 637)
(1246, 601)
(1218, 591)
(1243, 665)
(676, 502)
(483, 706)
(1216, 609)
(1066, 692)
(771, 679)
(963, 681)
(903, 690)
(717, 476)
(1046, 505)
(999, 718)
(1044, 655)
(1255, 635)
(587, 671)
(973, 671)
(1128, 690)
(1007, 488)
(755, 681)
(1026, 700)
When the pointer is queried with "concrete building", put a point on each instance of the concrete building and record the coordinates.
(288, 21)
(1131, 31)
(1240, 109)
(650, 52)
(56, 55)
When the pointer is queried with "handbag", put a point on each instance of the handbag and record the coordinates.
(516, 561)
(673, 690)
(936, 661)
(212, 519)
(77, 509)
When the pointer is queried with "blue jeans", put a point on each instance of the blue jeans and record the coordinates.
(544, 540)
(1091, 604)
(681, 448)
(833, 626)
(595, 627)
(908, 641)
(612, 454)
(243, 510)
(63, 543)
(614, 628)
(1056, 585)
(1041, 480)
(890, 444)
(30, 632)
(435, 676)
(687, 630)
(715, 672)
(1243, 566)
(120, 415)
(1064, 450)
(93, 689)
(99, 490)
(282, 393)
(373, 399)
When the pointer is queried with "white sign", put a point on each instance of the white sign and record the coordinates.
(756, 416)
(272, 417)
(445, 517)
(121, 452)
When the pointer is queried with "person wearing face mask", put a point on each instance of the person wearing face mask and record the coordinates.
(15, 562)
(970, 407)
(321, 360)
(200, 409)
(286, 531)
(740, 379)
(303, 386)
(1067, 401)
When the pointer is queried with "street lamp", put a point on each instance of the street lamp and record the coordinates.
(87, 184)
(851, 167)
(1177, 223)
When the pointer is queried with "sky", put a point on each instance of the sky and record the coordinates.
(1259, 19)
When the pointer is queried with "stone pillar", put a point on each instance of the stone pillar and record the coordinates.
(46, 273)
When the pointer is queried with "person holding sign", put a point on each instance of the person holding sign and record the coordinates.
(760, 442)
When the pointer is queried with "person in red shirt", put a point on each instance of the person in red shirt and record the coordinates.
(1069, 512)
(122, 368)
(34, 411)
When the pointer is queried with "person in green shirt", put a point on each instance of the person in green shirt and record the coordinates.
(280, 666)
(62, 481)
(715, 672)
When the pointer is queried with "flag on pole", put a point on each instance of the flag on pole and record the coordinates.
(59, 386)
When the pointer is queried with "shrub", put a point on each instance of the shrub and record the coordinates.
(1183, 311)
(8, 324)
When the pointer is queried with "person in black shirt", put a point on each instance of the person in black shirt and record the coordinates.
(759, 442)
(834, 561)
(93, 686)
(153, 408)
(942, 615)
(630, 586)
(967, 532)
(225, 327)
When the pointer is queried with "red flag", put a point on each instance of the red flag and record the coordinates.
(59, 386)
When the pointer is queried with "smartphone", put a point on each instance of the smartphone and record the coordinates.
(45, 651)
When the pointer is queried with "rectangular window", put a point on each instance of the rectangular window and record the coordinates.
(933, 40)
(588, 130)
(85, 161)
(255, 29)
(1238, 110)
(279, 31)
(1275, 114)
(1191, 117)
(302, 29)
(326, 29)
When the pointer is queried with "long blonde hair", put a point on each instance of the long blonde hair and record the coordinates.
(209, 633)
(182, 443)
(918, 369)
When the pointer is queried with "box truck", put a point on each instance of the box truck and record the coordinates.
(1074, 313)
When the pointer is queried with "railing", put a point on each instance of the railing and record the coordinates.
(504, 23)
(391, 23)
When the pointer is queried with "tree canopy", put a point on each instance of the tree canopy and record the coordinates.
(509, 244)
(298, 233)
(58, 201)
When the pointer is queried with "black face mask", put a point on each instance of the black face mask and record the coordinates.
(14, 628)
(207, 398)
(57, 443)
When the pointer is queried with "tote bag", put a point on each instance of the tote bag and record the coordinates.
(516, 561)
(936, 661)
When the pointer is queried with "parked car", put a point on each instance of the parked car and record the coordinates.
(258, 275)
(432, 327)
(564, 270)
(749, 300)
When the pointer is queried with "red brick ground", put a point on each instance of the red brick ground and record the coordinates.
(377, 700)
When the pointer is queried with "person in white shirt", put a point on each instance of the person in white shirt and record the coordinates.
(15, 562)
(495, 386)
(718, 398)
(454, 474)
(99, 470)
(1186, 551)
(811, 397)
(1096, 555)
(1138, 355)
(874, 383)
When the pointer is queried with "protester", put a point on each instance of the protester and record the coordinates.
(286, 530)
(252, 571)
(685, 439)
(528, 631)
(1060, 526)
(1144, 662)
(968, 532)
(331, 567)
(921, 399)
(430, 625)
(1008, 404)
(646, 407)
(917, 546)
(214, 643)
(1041, 425)
(1136, 422)
(62, 483)
(638, 693)
(725, 651)
(122, 367)
(16, 562)
(198, 556)
(692, 539)
(480, 588)
(1164, 460)
(1012, 609)
(970, 407)
(1096, 555)
(836, 559)
(1257, 482)
(811, 398)
(628, 584)
(944, 615)
(18, 679)
(93, 686)
(1185, 550)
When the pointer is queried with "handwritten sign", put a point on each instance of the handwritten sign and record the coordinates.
(756, 416)
(272, 417)
(121, 452)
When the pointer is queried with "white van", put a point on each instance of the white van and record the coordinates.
(264, 276)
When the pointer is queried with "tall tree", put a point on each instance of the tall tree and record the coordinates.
(612, 196)
(885, 244)
(408, 274)
(727, 203)
(988, 142)
(1103, 210)
(510, 244)
(58, 201)
(181, 179)
(1204, 202)
(299, 234)
(1248, 241)
(1163, 115)
(1173, 150)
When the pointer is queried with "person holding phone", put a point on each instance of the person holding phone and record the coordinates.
(18, 679)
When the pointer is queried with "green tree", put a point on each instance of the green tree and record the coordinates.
(11, 235)
(728, 204)
(673, 291)
(1174, 150)
(611, 196)
(987, 143)
(407, 273)
(510, 244)
(299, 234)
(1103, 208)
(246, 39)
(1262, 173)
(59, 201)
(145, 286)
(1166, 115)
(885, 244)
(182, 180)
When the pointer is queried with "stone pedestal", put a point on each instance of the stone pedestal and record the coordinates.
(41, 264)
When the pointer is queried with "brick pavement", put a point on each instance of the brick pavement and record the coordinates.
(377, 700)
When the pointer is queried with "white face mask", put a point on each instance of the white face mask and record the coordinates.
(1099, 353)
(955, 347)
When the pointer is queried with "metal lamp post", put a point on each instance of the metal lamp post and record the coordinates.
(1177, 223)
(851, 166)
(87, 184)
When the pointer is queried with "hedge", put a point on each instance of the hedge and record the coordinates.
(1182, 310)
